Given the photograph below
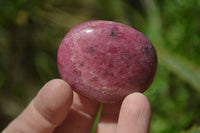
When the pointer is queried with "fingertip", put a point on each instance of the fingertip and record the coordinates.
(57, 83)
(54, 100)
(139, 101)
(135, 114)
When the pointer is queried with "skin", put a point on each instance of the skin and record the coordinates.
(56, 108)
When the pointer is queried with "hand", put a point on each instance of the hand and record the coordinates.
(56, 108)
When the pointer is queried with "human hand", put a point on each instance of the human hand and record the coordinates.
(58, 109)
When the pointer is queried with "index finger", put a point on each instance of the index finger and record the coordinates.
(46, 111)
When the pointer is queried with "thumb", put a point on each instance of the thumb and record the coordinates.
(46, 111)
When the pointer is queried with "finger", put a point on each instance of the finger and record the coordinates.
(109, 118)
(81, 116)
(135, 114)
(85, 105)
(47, 110)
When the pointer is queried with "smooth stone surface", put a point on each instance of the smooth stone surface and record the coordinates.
(106, 61)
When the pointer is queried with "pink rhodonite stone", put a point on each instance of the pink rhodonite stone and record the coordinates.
(106, 61)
